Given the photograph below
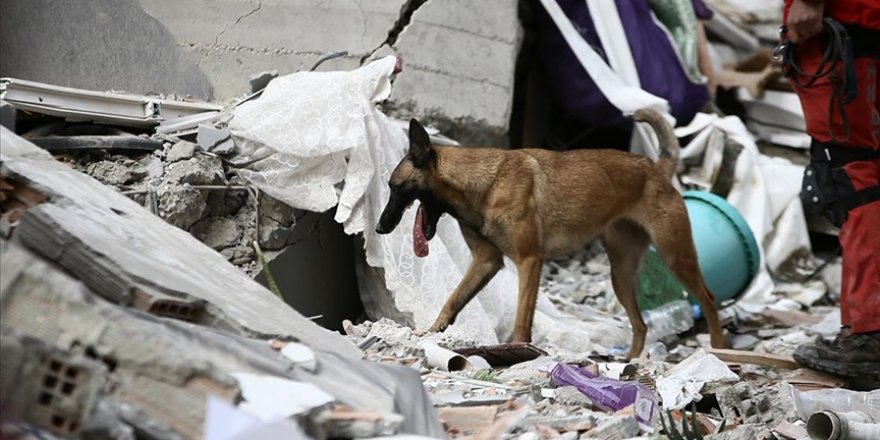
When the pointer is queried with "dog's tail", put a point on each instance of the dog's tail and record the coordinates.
(669, 147)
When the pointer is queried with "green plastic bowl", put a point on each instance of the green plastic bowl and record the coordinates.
(726, 249)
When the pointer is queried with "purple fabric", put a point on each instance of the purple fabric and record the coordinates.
(701, 10)
(607, 394)
(660, 72)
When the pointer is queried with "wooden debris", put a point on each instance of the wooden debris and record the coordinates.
(790, 318)
(790, 431)
(754, 358)
(805, 379)
(468, 419)
(502, 355)
(342, 412)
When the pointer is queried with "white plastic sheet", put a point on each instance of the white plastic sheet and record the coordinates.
(683, 382)
(270, 398)
(226, 422)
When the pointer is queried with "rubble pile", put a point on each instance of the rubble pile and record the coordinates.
(131, 310)
(749, 397)
(195, 190)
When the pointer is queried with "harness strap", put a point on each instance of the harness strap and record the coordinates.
(862, 197)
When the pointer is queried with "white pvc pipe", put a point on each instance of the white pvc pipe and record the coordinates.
(853, 425)
(446, 360)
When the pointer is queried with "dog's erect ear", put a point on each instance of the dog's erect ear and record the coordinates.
(420, 151)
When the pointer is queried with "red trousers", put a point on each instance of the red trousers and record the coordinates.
(860, 233)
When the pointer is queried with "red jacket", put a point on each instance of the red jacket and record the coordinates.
(862, 13)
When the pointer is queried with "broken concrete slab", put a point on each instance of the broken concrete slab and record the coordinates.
(163, 370)
(85, 223)
(46, 386)
(480, 73)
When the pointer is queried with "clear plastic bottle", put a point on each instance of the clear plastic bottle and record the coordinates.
(669, 319)
(842, 400)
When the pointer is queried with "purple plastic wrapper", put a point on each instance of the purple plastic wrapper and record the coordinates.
(606, 393)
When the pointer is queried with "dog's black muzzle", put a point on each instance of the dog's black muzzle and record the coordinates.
(392, 214)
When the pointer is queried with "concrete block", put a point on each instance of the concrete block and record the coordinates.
(458, 61)
(46, 386)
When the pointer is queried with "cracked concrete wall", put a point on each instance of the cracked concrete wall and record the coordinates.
(232, 40)
(95, 44)
(458, 56)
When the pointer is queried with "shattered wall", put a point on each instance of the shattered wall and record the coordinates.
(458, 56)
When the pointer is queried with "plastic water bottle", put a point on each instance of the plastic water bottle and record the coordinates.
(671, 318)
(837, 399)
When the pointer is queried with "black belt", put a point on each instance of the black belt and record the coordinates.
(839, 155)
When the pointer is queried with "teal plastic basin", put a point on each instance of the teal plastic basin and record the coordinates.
(726, 249)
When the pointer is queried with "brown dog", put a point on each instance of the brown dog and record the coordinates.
(534, 204)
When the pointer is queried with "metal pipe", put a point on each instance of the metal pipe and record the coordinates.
(853, 425)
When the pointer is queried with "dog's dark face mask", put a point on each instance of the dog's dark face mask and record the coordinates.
(409, 182)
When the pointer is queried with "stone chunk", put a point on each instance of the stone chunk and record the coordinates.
(744, 432)
(198, 170)
(217, 232)
(273, 235)
(181, 206)
(620, 426)
(571, 396)
(181, 151)
(116, 174)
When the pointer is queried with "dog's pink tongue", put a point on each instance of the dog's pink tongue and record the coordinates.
(420, 242)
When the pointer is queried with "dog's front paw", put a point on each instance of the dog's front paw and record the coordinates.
(420, 332)
(438, 327)
(522, 336)
(719, 342)
(443, 321)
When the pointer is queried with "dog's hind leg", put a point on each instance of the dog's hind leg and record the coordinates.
(671, 233)
(626, 243)
(487, 261)
(528, 270)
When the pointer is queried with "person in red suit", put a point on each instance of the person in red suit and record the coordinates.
(837, 83)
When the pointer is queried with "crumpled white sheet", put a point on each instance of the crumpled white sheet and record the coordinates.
(683, 382)
(318, 140)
